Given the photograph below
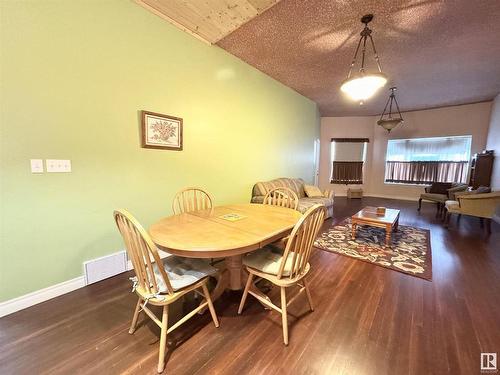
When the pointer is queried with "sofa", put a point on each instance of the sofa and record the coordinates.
(260, 189)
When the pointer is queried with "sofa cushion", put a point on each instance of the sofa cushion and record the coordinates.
(306, 203)
(440, 187)
(482, 190)
(312, 191)
(452, 206)
(295, 184)
(456, 188)
(434, 197)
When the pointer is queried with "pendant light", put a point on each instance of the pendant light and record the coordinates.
(390, 122)
(363, 85)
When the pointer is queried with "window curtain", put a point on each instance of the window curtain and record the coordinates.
(426, 172)
(347, 159)
(428, 160)
(347, 172)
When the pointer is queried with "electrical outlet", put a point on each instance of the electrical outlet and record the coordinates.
(36, 165)
(58, 166)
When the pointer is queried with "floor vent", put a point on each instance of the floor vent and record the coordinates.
(101, 268)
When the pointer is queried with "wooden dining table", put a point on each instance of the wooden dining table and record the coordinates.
(224, 232)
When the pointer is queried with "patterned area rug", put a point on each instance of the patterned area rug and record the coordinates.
(409, 253)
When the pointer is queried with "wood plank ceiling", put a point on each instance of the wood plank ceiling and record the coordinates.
(208, 20)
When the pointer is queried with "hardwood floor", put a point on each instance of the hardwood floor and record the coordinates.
(367, 319)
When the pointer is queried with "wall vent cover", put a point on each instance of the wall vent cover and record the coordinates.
(101, 268)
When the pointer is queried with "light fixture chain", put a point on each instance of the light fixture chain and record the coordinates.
(362, 69)
(354, 58)
(383, 112)
(376, 55)
(391, 98)
(397, 107)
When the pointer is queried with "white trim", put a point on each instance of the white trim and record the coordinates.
(42, 295)
(368, 195)
(403, 198)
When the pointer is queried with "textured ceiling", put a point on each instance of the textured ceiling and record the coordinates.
(437, 53)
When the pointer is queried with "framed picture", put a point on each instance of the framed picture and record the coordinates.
(161, 131)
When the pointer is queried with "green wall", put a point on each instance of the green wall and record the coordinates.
(74, 76)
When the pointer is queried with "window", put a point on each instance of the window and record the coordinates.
(348, 155)
(428, 160)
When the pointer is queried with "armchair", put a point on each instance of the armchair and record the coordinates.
(480, 205)
(440, 192)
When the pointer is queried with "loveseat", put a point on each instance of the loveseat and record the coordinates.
(260, 189)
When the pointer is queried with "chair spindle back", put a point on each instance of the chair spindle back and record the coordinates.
(282, 197)
(301, 240)
(191, 199)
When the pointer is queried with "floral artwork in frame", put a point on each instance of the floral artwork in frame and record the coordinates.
(161, 131)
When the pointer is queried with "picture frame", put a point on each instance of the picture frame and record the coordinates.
(161, 131)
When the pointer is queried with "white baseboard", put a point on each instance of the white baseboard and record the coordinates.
(368, 195)
(42, 295)
(403, 198)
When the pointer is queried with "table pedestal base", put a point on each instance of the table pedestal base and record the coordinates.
(231, 276)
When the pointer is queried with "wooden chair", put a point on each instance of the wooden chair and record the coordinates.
(191, 199)
(161, 284)
(288, 269)
(283, 197)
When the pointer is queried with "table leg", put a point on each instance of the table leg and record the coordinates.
(388, 231)
(354, 231)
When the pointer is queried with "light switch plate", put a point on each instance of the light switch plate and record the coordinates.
(36, 165)
(58, 165)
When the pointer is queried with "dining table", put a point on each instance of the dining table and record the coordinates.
(228, 232)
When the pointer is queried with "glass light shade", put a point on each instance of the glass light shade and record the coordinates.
(390, 123)
(362, 87)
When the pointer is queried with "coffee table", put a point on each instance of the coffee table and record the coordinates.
(368, 216)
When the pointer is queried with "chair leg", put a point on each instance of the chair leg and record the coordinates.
(419, 204)
(163, 339)
(245, 292)
(308, 294)
(488, 226)
(210, 305)
(136, 315)
(447, 219)
(438, 209)
(284, 318)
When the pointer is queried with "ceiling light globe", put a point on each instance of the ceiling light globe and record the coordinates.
(389, 124)
(360, 88)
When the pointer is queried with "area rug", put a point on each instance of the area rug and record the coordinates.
(409, 253)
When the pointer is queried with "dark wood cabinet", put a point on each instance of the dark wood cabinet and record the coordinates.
(481, 169)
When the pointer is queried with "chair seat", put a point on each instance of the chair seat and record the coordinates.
(452, 206)
(268, 260)
(182, 272)
(434, 197)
